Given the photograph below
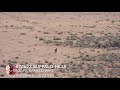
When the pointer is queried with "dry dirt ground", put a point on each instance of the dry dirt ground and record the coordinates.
(88, 43)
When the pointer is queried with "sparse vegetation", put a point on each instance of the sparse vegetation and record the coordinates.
(60, 33)
(46, 33)
(107, 20)
(112, 21)
(109, 57)
(56, 38)
(41, 39)
(90, 26)
(68, 57)
(12, 62)
(87, 58)
(68, 43)
(88, 40)
(39, 31)
(11, 25)
(48, 41)
(23, 34)
(2, 65)
(57, 43)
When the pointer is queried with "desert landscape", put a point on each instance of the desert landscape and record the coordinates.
(88, 43)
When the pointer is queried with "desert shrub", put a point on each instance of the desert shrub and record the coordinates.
(68, 43)
(73, 37)
(68, 38)
(72, 67)
(99, 42)
(113, 73)
(23, 34)
(109, 41)
(107, 20)
(41, 39)
(48, 41)
(87, 58)
(80, 43)
(56, 38)
(11, 25)
(57, 43)
(85, 40)
(112, 21)
(60, 33)
(2, 65)
(109, 57)
(89, 33)
(92, 26)
(68, 57)
(46, 33)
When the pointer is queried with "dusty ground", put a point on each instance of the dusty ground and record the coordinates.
(87, 43)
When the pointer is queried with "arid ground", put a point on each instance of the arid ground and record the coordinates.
(88, 43)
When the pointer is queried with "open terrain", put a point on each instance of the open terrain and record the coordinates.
(88, 43)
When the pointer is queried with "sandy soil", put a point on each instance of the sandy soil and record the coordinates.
(88, 43)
